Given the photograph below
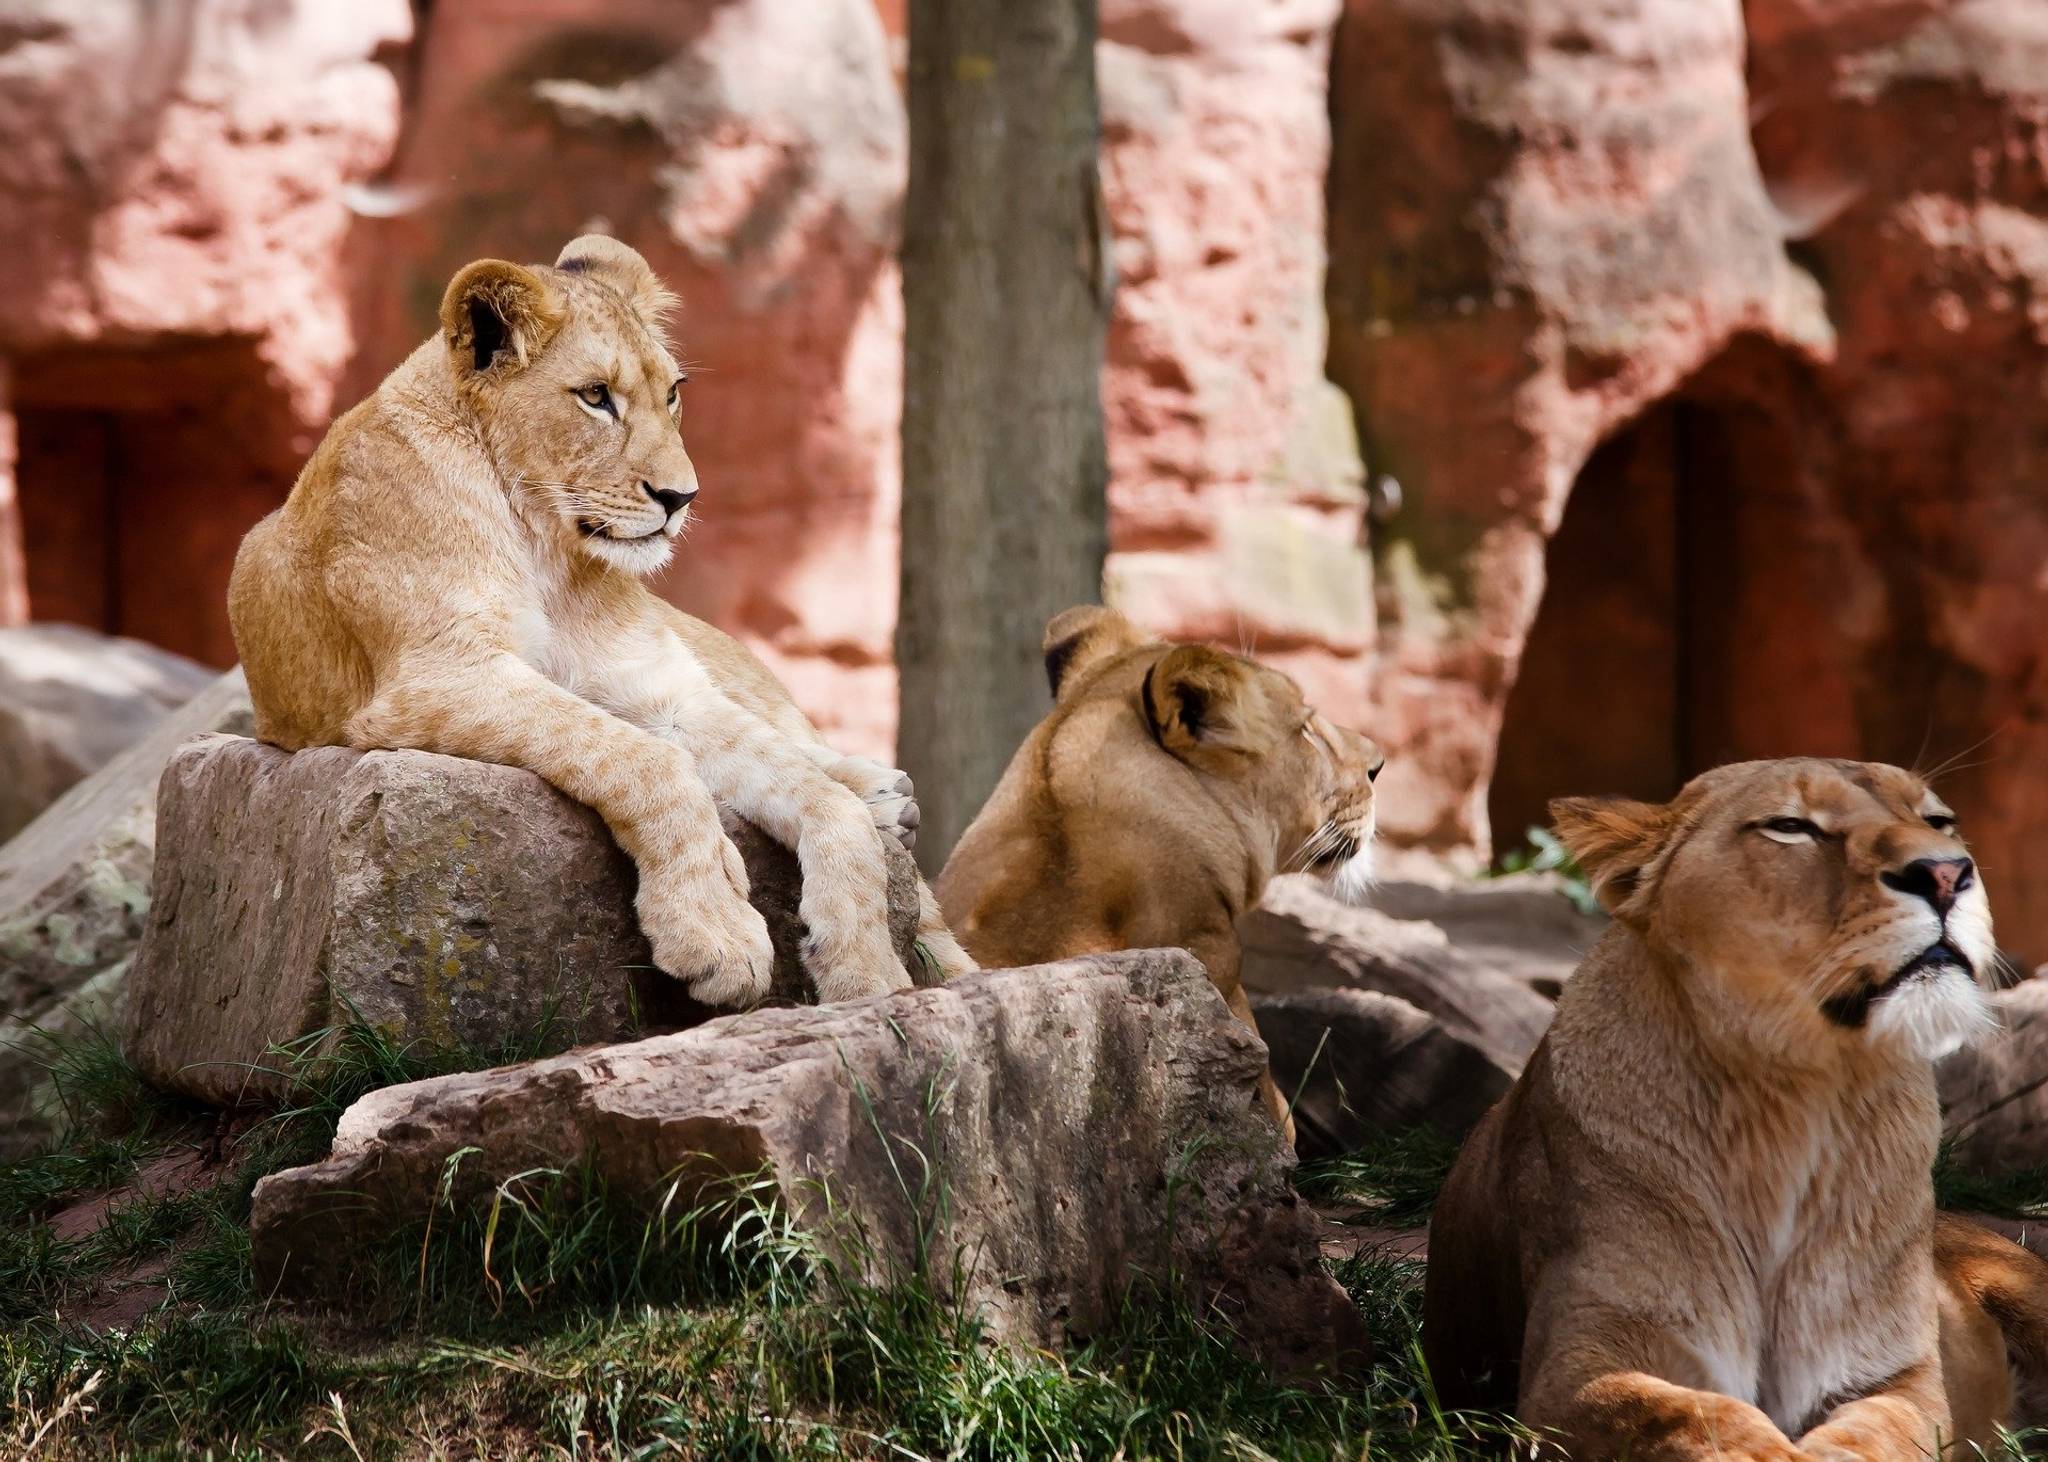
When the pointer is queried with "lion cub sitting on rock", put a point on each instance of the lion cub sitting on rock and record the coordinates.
(1701, 1224)
(1153, 805)
(458, 570)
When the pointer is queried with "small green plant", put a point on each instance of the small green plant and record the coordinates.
(1543, 853)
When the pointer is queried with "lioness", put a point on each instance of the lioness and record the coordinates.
(457, 570)
(1152, 806)
(1701, 1224)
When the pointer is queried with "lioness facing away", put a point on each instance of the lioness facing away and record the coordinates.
(1701, 1224)
(457, 570)
(1152, 806)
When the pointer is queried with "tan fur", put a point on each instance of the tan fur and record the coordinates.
(1701, 1224)
(1152, 806)
(457, 570)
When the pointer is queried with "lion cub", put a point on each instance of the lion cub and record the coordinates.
(458, 570)
(1701, 1224)
(1152, 806)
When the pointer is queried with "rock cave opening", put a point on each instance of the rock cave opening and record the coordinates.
(1706, 600)
(138, 472)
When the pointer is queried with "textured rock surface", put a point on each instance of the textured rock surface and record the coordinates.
(1522, 924)
(1704, 342)
(178, 182)
(1544, 216)
(1091, 1122)
(70, 700)
(1300, 940)
(446, 902)
(1357, 1063)
(1235, 486)
(74, 888)
(1994, 1097)
(1747, 305)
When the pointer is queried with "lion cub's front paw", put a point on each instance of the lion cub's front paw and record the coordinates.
(891, 799)
(707, 935)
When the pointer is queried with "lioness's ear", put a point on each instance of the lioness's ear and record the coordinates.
(604, 258)
(496, 312)
(1082, 636)
(1614, 840)
(1197, 702)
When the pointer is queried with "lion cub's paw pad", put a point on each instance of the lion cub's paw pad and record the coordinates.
(890, 795)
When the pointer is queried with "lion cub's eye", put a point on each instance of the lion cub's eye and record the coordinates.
(1941, 822)
(598, 396)
(1789, 830)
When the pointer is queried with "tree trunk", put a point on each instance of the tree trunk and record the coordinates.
(1006, 285)
(13, 551)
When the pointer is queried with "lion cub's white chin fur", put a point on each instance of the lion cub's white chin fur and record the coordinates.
(640, 557)
(1934, 1016)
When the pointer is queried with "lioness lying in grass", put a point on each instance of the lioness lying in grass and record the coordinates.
(1702, 1224)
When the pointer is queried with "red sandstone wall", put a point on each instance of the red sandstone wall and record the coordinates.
(1699, 350)
(1754, 303)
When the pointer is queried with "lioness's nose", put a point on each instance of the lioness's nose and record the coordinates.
(1938, 880)
(672, 502)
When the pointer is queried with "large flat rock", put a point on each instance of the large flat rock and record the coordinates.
(449, 903)
(1300, 939)
(1088, 1123)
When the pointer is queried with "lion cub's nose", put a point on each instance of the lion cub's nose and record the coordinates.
(1938, 880)
(672, 502)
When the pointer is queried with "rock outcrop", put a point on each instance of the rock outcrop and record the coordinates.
(1357, 1064)
(1236, 493)
(447, 903)
(1994, 1096)
(1707, 341)
(1085, 1125)
(70, 700)
(1525, 925)
(1696, 346)
(1300, 940)
(74, 890)
(180, 184)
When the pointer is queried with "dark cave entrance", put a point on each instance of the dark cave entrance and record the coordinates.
(1705, 601)
(138, 473)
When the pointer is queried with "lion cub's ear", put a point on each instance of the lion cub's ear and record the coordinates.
(604, 258)
(1082, 636)
(1199, 702)
(494, 313)
(1615, 840)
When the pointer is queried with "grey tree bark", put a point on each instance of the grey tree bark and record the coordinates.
(1006, 288)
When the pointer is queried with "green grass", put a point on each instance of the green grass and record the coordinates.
(555, 1319)
(2022, 1194)
(551, 1318)
(1393, 1181)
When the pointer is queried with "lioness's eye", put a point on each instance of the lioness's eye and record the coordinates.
(599, 395)
(1788, 829)
(1941, 822)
